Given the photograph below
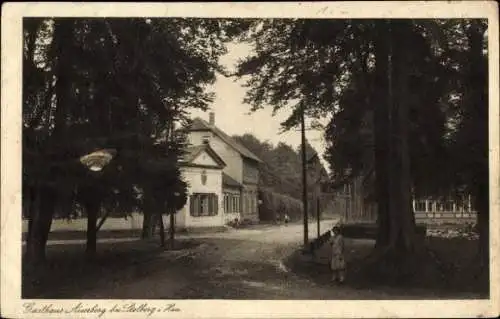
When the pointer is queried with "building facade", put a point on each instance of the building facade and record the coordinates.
(222, 177)
(362, 207)
(202, 170)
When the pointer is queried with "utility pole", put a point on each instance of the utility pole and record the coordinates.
(318, 215)
(176, 195)
(304, 180)
(172, 225)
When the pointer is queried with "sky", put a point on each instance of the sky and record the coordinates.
(232, 115)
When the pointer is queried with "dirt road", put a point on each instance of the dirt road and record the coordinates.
(239, 264)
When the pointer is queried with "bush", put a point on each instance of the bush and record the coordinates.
(274, 206)
(369, 231)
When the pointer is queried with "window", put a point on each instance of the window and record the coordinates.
(448, 206)
(231, 203)
(420, 206)
(203, 205)
(245, 203)
(347, 189)
(226, 203)
(439, 206)
(471, 207)
(205, 139)
(235, 204)
(251, 202)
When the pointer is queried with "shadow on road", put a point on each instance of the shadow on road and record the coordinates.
(462, 283)
(67, 273)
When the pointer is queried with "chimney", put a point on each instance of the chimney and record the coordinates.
(211, 118)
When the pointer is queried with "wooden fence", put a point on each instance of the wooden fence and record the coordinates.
(426, 211)
(435, 211)
(448, 217)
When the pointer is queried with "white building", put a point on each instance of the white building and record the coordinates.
(222, 177)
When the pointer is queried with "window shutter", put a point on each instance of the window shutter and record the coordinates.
(199, 205)
(203, 205)
(216, 204)
(191, 205)
(196, 205)
(210, 204)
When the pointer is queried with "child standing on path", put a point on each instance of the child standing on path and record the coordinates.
(337, 261)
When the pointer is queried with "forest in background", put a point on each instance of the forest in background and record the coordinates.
(280, 180)
(282, 167)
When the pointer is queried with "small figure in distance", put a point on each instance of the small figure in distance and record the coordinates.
(287, 219)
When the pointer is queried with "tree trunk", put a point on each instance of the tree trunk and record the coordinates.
(162, 229)
(478, 116)
(150, 216)
(304, 178)
(381, 124)
(92, 206)
(62, 39)
(103, 220)
(40, 223)
(172, 228)
(396, 239)
(483, 209)
(403, 211)
(147, 229)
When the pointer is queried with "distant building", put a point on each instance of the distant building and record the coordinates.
(362, 206)
(222, 177)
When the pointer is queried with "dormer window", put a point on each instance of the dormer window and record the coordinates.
(205, 139)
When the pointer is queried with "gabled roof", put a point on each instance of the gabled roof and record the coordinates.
(192, 152)
(200, 125)
(229, 181)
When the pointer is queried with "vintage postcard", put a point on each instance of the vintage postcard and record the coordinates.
(250, 160)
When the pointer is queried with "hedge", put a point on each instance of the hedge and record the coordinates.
(274, 206)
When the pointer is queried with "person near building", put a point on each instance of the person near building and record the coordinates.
(337, 258)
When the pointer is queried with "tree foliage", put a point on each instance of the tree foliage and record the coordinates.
(282, 165)
(399, 94)
(112, 83)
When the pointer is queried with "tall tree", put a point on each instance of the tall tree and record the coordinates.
(108, 83)
(469, 128)
(402, 223)
(387, 103)
(381, 136)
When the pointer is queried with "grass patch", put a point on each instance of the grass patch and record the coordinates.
(369, 230)
(68, 272)
(463, 278)
(79, 234)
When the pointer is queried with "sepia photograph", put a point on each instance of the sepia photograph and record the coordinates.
(174, 158)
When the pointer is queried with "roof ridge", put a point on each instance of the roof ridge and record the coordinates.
(244, 151)
(198, 149)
